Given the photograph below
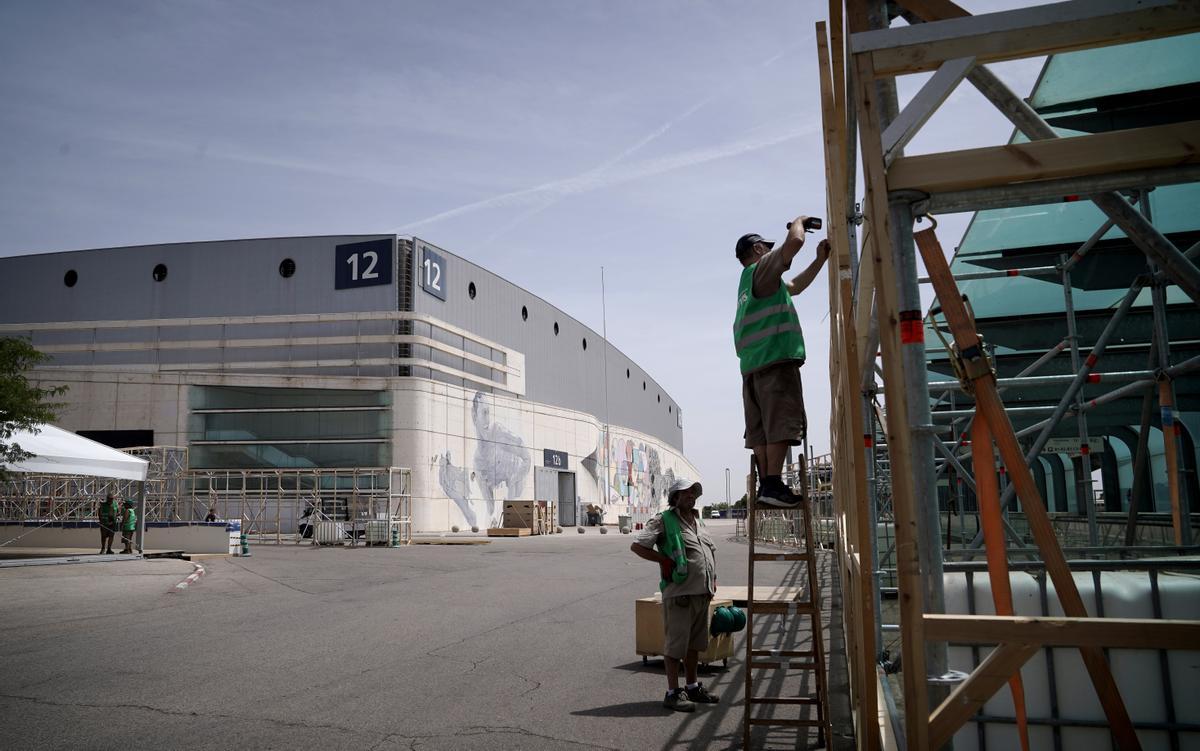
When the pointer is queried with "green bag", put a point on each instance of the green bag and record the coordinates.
(727, 620)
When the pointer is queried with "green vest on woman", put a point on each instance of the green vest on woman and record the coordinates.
(766, 330)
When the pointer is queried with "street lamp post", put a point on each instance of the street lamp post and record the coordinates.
(727, 487)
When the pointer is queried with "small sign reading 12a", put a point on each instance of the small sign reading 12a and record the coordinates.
(362, 264)
(432, 273)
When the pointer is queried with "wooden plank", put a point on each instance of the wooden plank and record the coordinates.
(852, 485)
(1096, 154)
(989, 405)
(777, 594)
(974, 692)
(509, 532)
(1117, 633)
(1024, 32)
(912, 640)
(922, 106)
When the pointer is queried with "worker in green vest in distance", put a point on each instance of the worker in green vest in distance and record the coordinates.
(128, 526)
(107, 515)
(770, 349)
(687, 562)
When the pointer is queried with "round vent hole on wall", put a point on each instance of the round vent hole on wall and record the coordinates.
(556, 328)
(643, 385)
(524, 313)
(660, 398)
(471, 290)
(70, 278)
(627, 372)
(585, 343)
(160, 272)
(287, 267)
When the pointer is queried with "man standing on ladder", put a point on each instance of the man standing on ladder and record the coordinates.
(770, 347)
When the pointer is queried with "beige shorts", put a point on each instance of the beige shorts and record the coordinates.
(685, 623)
(773, 400)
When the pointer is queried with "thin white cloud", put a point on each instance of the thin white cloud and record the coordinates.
(592, 180)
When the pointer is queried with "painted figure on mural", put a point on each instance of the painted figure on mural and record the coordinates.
(456, 484)
(500, 459)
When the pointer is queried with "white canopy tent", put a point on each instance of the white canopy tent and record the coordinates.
(61, 452)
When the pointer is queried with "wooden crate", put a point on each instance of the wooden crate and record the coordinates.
(531, 515)
(649, 636)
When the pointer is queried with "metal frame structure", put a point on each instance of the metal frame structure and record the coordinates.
(875, 307)
(266, 501)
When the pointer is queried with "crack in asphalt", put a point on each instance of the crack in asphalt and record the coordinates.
(270, 579)
(413, 740)
(181, 713)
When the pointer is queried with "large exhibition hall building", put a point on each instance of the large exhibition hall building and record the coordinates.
(342, 352)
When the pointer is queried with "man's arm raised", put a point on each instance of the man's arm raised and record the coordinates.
(805, 278)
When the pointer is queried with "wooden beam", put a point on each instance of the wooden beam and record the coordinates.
(922, 106)
(973, 693)
(1025, 32)
(1118, 633)
(1101, 153)
(908, 564)
(848, 420)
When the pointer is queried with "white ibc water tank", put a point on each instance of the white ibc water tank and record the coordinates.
(1138, 673)
(329, 533)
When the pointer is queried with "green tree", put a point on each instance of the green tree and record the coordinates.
(23, 405)
(741, 502)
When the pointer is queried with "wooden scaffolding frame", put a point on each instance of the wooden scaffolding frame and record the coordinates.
(874, 307)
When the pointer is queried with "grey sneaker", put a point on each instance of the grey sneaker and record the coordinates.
(700, 695)
(679, 701)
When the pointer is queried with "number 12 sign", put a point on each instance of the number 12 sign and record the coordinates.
(433, 273)
(362, 264)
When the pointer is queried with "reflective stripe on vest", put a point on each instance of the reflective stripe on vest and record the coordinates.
(765, 330)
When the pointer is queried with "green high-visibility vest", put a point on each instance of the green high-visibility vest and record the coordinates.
(673, 548)
(108, 513)
(766, 329)
(130, 520)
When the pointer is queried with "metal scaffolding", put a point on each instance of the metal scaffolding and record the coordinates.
(889, 456)
(273, 505)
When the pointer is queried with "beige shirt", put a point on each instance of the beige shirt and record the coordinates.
(701, 556)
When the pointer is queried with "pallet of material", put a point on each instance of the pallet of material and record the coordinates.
(531, 515)
(509, 532)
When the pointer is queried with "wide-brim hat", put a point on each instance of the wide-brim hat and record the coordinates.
(682, 484)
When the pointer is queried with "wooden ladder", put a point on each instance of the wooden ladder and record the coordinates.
(807, 603)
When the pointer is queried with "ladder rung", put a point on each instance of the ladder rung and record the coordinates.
(807, 700)
(789, 723)
(782, 653)
(767, 607)
(782, 665)
(781, 556)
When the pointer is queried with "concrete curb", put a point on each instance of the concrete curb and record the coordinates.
(192, 577)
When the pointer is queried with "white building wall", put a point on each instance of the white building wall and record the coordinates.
(457, 441)
(470, 451)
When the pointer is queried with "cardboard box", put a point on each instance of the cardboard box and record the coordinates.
(649, 636)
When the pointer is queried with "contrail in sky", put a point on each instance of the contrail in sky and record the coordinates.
(547, 194)
(590, 181)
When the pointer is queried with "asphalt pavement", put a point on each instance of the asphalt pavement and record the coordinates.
(523, 643)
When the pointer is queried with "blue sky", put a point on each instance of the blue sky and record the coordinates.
(539, 139)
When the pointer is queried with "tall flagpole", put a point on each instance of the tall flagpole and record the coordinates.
(607, 425)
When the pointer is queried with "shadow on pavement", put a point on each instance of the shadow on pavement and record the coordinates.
(628, 709)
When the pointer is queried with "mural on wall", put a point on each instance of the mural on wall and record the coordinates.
(636, 474)
(501, 465)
